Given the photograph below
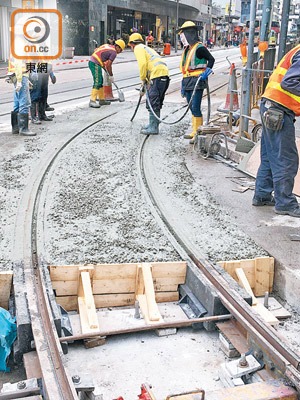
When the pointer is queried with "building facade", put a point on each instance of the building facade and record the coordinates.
(7, 7)
(100, 19)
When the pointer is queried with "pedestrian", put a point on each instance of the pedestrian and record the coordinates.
(154, 75)
(279, 156)
(19, 115)
(149, 39)
(102, 58)
(44, 70)
(196, 60)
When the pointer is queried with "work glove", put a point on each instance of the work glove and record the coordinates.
(205, 74)
(142, 89)
(18, 86)
(111, 78)
(53, 78)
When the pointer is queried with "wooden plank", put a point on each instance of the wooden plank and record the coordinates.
(86, 304)
(276, 308)
(262, 276)
(5, 286)
(118, 271)
(153, 311)
(145, 310)
(69, 303)
(32, 365)
(245, 284)
(248, 266)
(69, 288)
(271, 390)
(235, 336)
(139, 284)
(265, 314)
(272, 268)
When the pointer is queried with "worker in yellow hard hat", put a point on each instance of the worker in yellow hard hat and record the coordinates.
(154, 74)
(196, 60)
(103, 57)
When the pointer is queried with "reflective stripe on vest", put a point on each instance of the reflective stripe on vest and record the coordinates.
(11, 65)
(189, 66)
(274, 90)
(97, 53)
(153, 56)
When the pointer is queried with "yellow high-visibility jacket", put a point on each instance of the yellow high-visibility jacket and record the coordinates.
(18, 67)
(150, 63)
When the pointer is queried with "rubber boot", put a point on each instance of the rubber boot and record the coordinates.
(14, 122)
(101, 96)
(49, 108)
(93, 100)
(152, 128)
(190, 135)
(34, 115)
(42, 114)
(198, 122)
(23, 125)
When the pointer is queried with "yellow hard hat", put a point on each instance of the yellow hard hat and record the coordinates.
(187, 24)
(120, 43)
(135, 37)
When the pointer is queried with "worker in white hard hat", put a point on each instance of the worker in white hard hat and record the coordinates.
(154, 74)
(103, 57)
(196, 60)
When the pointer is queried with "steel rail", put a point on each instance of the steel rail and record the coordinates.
(57, 383)
(264, 334)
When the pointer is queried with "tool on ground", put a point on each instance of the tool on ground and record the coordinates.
(120, 93)
(208, 141)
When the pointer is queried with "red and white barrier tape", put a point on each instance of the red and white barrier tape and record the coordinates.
(71, 62)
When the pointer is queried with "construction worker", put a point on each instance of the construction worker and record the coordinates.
(19, 115)
(196, 60)
(149, 39)
(155, 74)
(103, 57)
(279, 156)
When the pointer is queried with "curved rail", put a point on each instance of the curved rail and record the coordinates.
(57, 384)
(265, 335)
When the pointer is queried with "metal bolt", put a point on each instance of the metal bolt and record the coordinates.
(243, 363)
(137, 310)
(270, 365)
(76, 379)
(258, 354)
(21, 385)
(266, 300)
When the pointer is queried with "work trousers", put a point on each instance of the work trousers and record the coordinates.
(196, 102)
(96, 71)
(22, 98)
(157, 90)
(279, 164)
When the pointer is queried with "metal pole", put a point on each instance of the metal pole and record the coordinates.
(283, 29)
(160, 325)
(176, 35)
(266, 15)
(247, 81)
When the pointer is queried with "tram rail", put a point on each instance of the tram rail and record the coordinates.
(58, 384)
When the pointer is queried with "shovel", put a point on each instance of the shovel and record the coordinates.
(120, 93)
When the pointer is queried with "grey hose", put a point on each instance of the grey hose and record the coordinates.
(188, 106)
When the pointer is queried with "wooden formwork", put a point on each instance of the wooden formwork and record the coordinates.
(5, 288)
(87, 287)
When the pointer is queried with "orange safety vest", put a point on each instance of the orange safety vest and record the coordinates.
(97, 53)
(274, 90)
(189, 66)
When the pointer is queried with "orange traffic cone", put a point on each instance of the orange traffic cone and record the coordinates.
(108, 94)
(226, 107)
